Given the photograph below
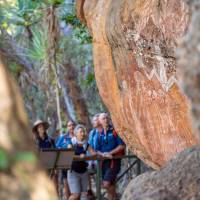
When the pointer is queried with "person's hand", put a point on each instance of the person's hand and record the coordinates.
(69, 146)
(108, 155)
(82, 155)
(99, 154)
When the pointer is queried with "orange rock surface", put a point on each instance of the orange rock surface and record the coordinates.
(134, 46)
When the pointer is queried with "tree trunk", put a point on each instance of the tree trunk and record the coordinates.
(11, 49)
(21, 178)
(134, 45)
(58, 107)
(76, 95)
(67, 102)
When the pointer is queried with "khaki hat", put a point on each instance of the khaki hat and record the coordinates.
(38, 122)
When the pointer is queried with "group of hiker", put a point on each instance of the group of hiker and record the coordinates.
(102, 141)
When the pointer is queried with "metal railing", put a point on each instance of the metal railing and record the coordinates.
(136, 162)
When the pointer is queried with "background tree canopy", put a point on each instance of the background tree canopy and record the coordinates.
(50, 55)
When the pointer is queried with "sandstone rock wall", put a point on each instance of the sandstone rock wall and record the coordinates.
(189, 61)
(134, 45)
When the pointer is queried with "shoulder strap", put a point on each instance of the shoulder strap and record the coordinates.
(114, 133)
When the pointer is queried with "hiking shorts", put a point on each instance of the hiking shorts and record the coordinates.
(77, 182)
(110, 170)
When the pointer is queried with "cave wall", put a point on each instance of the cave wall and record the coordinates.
(134, 45)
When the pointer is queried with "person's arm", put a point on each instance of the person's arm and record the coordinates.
(69, 145)
(59, 142)
(117, 149)
(114, 151)
(92, 151)
(96, 154)
(100, 153)
(120, 146)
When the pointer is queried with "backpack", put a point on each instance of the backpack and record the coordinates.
(123, 151)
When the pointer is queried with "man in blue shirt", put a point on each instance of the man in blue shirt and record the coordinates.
(109, 144)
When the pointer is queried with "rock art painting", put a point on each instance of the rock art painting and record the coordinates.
(134, 45)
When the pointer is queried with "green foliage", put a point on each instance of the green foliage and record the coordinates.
(38, 51)
(80, 30)
(25, 156)
(74, 47)
(25, 5)
(23, 13)
(15, 69)
(73, 20)
(4, 161)
(8, 160)
(54, 2)
(90, 79)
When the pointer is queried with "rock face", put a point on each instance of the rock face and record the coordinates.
(21, 176)
(189, 61)
(178, 180)
(134, 45)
